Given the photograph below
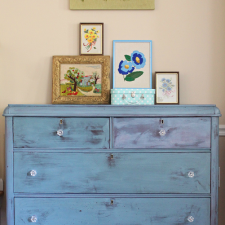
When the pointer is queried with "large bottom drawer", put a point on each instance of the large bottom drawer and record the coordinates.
(116, 211)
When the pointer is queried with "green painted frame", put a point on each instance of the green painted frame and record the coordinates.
(112, 4)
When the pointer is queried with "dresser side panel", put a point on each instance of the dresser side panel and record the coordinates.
(214, 170)
(9, 170)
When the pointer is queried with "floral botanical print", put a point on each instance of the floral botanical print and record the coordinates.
(91, 36)
(167, 87)
(134, 61)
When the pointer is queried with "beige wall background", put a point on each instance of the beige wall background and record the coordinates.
(188, 36)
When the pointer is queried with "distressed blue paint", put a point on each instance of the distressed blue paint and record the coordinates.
(111, 110)
(137, 150)
(145, 132)
(214, 170)
(123, 211)
(94, 195)
(124, 173)
(147, 180)
(77, 132)
(9, 171)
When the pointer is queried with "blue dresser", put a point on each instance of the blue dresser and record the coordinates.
(112, 165)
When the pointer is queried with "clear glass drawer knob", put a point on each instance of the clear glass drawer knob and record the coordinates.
(33, 219)
(33, 173)
(162, 132)
(60, 132)
(191, 174)
(190, 219)
(132, 94)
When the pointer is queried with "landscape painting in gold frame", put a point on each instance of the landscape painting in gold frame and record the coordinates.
(81, 80)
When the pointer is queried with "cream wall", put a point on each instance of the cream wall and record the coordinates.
(188, 36)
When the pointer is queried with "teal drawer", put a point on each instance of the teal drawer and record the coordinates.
(117, 173)
(122, 211)
(192, 132)
(38, 132)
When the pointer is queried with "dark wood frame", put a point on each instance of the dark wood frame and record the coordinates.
(102, 24)
(157, 88)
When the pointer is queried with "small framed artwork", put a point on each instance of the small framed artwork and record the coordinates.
(91, 38)
(167, 87)
(132, 64)
(81, 80)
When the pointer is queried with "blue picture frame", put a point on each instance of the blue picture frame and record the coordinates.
(117, 66)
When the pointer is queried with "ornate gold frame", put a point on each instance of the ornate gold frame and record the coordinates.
(58, 99)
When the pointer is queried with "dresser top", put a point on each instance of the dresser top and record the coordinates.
(111, 110)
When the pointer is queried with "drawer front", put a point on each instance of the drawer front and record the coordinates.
(162, 132)
(106, 173)
(123, 211)
(38, 132)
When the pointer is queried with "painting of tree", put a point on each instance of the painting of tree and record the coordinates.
(74, 75)
(80, 79)
(95, 76)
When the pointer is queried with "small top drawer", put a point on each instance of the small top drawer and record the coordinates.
(46, 132)
(181, 132)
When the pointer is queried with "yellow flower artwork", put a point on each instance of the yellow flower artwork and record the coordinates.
(91, 39)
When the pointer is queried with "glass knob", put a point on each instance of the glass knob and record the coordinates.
(60, 132)
(162, 132)
(124, 96)
(33, 219)
(190, 219)
(132, 94)
(33, 173)
(191, 174)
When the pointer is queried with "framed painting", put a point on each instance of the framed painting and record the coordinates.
(167, 87)
(81, 80)
(112, 4)
(132, 64)
(91, 38)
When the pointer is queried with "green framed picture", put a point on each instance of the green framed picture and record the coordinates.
(112, 4)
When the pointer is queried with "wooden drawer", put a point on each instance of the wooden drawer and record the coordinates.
(193, 132)
(38, 132)
(100, 173)
(123, 211)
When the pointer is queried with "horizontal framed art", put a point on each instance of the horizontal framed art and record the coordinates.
(167, 87)
(112, 4)
(91, 38)
(132, 64)
(81, 80)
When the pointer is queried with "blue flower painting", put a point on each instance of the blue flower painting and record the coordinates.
(138, 59)
(134, 61)
(125, 67)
